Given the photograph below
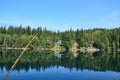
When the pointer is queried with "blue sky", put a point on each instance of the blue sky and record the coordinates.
(61, 14)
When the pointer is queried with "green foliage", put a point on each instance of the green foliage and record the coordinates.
(18, 36)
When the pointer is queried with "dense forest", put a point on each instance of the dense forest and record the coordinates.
(19, 36)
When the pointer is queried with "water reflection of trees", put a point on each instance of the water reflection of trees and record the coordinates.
(42, 60)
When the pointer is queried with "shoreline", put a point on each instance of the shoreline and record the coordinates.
(82, 49)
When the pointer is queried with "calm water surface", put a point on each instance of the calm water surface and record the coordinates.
(47, 65)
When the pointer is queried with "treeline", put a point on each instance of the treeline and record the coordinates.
(18, 36)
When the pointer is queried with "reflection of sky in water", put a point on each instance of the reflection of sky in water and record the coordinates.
(58, 55)
(60, 73)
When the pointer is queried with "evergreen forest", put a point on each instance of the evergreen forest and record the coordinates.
(100, 38)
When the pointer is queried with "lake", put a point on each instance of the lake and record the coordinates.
(49, 65)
